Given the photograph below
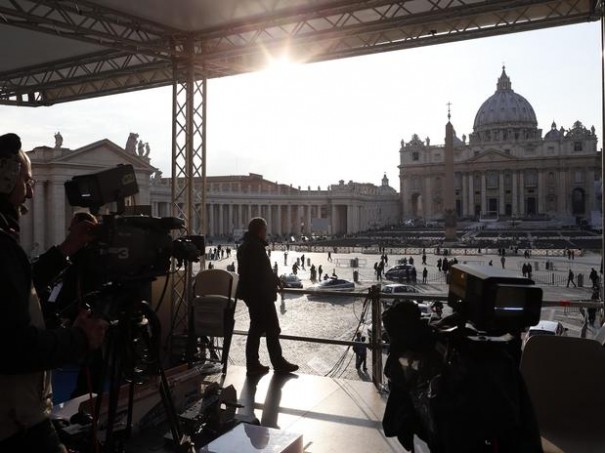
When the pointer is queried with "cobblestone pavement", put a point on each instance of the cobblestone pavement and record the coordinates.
(339, 318)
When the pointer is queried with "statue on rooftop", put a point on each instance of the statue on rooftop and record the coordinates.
(131, 143)
(141, 148)
(147, 149)
(58, 140)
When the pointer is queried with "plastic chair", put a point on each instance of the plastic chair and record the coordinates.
(213, 309)
(564, 377)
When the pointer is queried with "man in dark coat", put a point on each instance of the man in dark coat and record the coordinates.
(257, 287)
(28, 350)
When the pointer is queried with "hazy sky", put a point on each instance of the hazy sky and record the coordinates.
(315, 124)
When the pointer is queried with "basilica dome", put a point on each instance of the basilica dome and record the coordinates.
(504, 109)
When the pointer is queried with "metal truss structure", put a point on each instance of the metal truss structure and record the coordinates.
(135, 53)
(188, 174)
(128, 52)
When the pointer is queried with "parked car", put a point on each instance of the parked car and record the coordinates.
(397, 288)
(290, 281)
(546, 328)
(399, 273)
(394, 289)
(333, 284)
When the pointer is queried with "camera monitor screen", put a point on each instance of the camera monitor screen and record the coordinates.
(518, 301)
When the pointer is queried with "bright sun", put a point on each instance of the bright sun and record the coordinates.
(280, 65)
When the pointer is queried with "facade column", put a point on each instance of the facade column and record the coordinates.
(501, 203)
(471, 194)
(39, 217)
(591, 202)
(58, 209)
(521, 193)
(483, 193)
(515, 193)
(428, 199)
(249, 213)
(230, 220)
(541, 192)
(561, 191)
(279, 218)
(465, 203)
(210, 219)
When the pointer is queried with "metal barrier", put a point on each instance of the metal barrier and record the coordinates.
(375, 296)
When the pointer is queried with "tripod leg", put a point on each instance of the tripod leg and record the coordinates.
(115, 375)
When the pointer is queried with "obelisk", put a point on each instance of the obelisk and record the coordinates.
(449, 199)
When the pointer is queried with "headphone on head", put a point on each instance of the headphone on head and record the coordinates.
(10, 163)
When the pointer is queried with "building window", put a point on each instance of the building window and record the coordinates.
(507, 151)
(492, 180)
(508, 180)
(551, 150)
(577, 146)
(579, 177)
(531, 178)
(415, 155)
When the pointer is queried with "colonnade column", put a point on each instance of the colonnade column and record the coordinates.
(210, 219)
(289, 220)
(249, 213)
(230, 220)
(221, 216)
(279, 219)
(308, 219)
(270, 218)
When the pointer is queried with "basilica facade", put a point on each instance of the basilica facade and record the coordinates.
(507, 168)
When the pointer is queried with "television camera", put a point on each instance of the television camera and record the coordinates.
(114, 272)
(455, 383)
(127, 248)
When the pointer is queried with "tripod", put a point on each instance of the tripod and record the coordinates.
(135, 331)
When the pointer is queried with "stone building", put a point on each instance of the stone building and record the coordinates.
(342, 208)
(507, 168)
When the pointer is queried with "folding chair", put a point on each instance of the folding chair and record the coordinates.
(564, 378)
(213, 309)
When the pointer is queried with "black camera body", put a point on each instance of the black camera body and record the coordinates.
(494, 300)
(456, 383)
(128, 248)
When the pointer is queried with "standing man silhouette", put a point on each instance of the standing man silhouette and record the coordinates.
(257, 287)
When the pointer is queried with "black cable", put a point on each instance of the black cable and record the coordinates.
(163, 292)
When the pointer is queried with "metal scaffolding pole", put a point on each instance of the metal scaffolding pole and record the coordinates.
(188, 185)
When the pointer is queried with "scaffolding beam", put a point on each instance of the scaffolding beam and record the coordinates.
(318, 32)
(188, 176)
